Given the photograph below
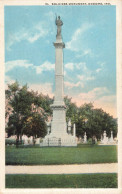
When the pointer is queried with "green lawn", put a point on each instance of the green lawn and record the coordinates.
(63, 155)
(62, 181)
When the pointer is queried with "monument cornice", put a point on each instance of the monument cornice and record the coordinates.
(59, 44)
(55, 106)
(59, 75)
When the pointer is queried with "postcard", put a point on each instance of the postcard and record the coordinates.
(61, 79)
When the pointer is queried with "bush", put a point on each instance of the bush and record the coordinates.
(89, 141)
(12, 141)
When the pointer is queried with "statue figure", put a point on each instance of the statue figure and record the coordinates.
(59, 23)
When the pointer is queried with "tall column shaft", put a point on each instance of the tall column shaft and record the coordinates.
(58, 124)
(59, 77)
(59, 109)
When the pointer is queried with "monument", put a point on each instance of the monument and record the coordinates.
(58, 135)
(111, 140)
(69, 126)
(85, 138)
(104, 140)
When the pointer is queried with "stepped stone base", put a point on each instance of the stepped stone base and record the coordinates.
(108, 143)
(59, 141)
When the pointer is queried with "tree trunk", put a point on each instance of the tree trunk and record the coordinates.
(93, 139)
(33, 140)
(21, 139)
(17, 141)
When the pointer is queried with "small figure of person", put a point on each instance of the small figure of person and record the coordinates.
(59, 23)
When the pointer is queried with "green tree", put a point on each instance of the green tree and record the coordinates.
(71, 109)
(84, 120)
(109, 124)
(94, 122)
(25, 105)
(44, 102)
(35, 126)
(20, 99)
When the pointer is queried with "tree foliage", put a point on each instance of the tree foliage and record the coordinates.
(35, 126)
(28, 111)
(21, 101)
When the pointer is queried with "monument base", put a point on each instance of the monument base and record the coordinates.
(108, 143)
(59, 141)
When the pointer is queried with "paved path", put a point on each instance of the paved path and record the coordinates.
(63, 169)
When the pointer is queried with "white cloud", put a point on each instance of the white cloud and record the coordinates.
(73, 44)
(51, 16)
(94, 94)
(71, 85)
(33, 38)
(110, 99)
(108, 103)
(86, 73)
(69, 66)
(98, 70)
(30, 34)
(101, 64)
(100, 97)
(44, 88)
(81, 77)
(90, 96)
(90, 78)
(84, 53)
(46, 66)
(17, 63)
(8, 80)
(39, 30)
(82, 66)
(72, 66)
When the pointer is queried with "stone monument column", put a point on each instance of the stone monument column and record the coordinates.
(59, 109)
(59, 69)
(59, 135)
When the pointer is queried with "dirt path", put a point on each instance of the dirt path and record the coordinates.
(63, 169)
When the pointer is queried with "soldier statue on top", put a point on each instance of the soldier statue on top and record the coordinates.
(59, 23)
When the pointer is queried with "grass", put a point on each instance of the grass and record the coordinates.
(64, 155)
(62, 181)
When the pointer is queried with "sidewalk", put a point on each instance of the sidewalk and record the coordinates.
(63, 169)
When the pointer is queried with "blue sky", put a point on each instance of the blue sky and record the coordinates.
(89, 34)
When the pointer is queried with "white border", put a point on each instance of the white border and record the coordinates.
(118, 4)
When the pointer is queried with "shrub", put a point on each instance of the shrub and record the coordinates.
(89, 141)
(12, 141)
